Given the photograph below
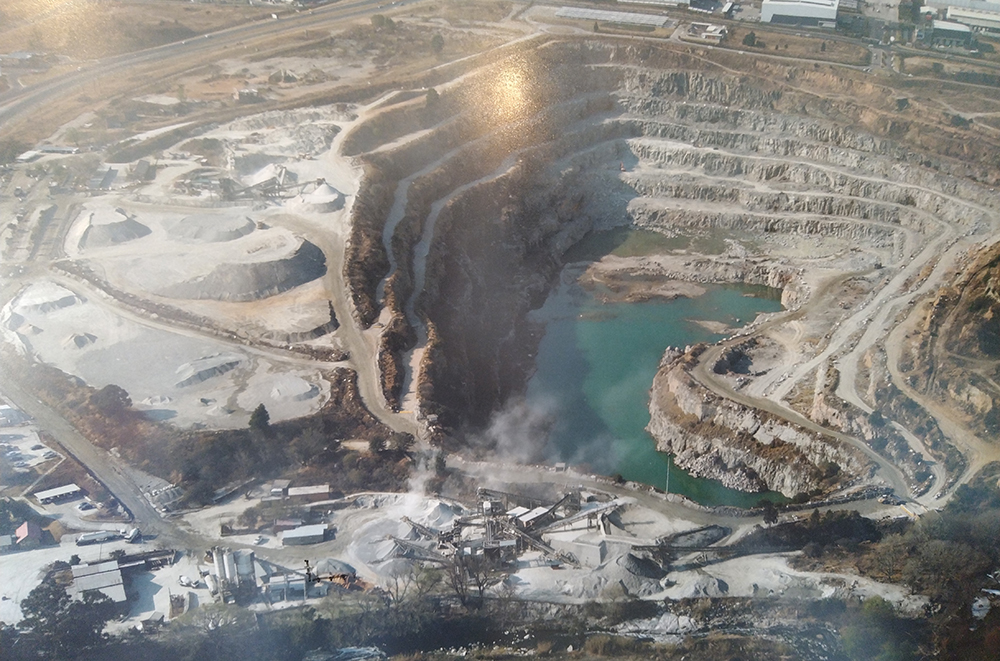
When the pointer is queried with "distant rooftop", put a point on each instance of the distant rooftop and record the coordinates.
(58, 492)
(950, 26)
(625, 18)
(305, 531)
(825, 4)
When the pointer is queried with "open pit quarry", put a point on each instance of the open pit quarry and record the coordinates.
(409, 236)
(296, 215)
(847, 195)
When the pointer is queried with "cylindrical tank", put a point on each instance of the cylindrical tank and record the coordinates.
(230, 564)
(220, 572)
(244, 564)
(212, 584)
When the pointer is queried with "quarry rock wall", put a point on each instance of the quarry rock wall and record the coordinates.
(742, 447)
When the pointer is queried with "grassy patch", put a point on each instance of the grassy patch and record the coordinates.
(789, 45)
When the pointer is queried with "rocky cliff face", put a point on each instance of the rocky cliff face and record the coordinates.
(743, 448)
(955, 356)
(496, 259)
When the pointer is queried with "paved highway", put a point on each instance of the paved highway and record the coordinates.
(96, 460)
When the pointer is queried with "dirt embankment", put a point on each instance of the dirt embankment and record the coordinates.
(955, 356)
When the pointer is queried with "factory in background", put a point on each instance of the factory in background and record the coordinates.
(815, 13)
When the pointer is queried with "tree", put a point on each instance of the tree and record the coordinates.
(437, 43)
(309, 446)
(945, 570)
(889, 556)
(376, 445)
(260, 419)
(432, 97)
(876, 634)
(401, 442)
(750, 39)
(74, 136)
(770, 512)
(822, 47)
(62, 626)
(111, 399)
(469, 576)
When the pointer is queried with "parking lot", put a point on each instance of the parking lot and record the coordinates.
(23, 449)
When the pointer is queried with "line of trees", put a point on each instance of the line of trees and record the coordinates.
(55, 626)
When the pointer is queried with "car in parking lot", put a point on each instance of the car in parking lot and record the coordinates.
(85, 505)
(260, 540)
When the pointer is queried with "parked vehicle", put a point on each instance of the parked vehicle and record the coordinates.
(98, 537)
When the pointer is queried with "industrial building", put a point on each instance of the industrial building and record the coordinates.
(107, 576)
(64, 492)
(28, 534)
(618, 17)
(977, 19)
(705, 32)
(104, 577)
(232, 573)
(948, 33)
(312, 493)
(817, 13)
(507, 525)
(992, 6)
(278, 488)
(312, 534)
(666, 4)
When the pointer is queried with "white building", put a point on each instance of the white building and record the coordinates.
(981, 5)
(59, 493)
(313, 534)
(822, 13)
(656, 3)
(104, 577)
(947, 33)
(977, 19)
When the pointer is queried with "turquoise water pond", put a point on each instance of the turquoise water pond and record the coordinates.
(595, 366)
